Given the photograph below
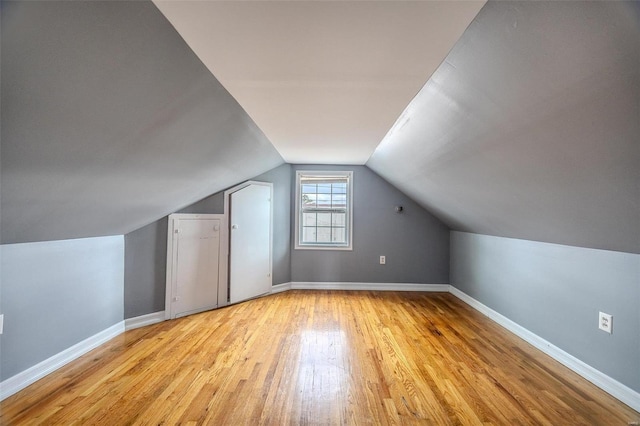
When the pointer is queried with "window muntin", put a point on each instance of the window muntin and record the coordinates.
(323, 210)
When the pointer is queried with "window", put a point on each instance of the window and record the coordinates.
(323, 210)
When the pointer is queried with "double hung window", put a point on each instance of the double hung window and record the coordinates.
(323, 210)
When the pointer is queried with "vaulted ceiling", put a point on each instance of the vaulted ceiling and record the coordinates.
(324, 80)
(528, 127)
(518, 119)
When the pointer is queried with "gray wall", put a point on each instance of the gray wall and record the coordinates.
(145, 269)
(146, 248)
(110, 121)
(530, 128)
(556, 292)
(415, 243)
(281, 178)
(56, 294)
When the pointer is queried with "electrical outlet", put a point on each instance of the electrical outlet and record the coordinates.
(605, 322)
(1, 323)
(383, 260)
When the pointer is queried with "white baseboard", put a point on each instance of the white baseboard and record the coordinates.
(604, 382)
(279, 288)
(25, 378)
(369, 286)
(143, 320)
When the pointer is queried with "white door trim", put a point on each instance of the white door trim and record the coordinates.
(172, 253)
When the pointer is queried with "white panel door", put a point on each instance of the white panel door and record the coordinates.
(250, 251)
(197, 263)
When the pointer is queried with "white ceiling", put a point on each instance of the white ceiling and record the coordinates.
(324, 80)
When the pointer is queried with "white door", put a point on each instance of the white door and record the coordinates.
(250, 251)
(197, 261)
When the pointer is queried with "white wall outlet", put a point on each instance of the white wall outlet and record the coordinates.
(605, 322)
(383, 260)
(1, 323)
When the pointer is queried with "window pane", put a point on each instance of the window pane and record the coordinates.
(324, 235)
(324, 201)
(339, 201)
(309, 235)
(338, 219)
(323, 209)
(308, 200)
(308, 188)
(324, 219)
(324, 188)
(309, 219)
(339, 235)
(339, 188)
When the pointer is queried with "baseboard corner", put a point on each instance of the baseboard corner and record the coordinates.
(279, 288)
(144, 320)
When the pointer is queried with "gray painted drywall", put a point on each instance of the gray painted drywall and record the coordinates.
(213, 204)
(531, 126)
(556, 292)
(56, 294)
(415, 243)
(110, 122)
(145, 269)
(146, 248)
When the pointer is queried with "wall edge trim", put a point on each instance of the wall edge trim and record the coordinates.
(23, 379)
(369, 286)
(279, 288)
(613, 387)
(143, 320)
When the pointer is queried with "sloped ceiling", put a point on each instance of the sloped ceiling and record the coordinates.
(324, 80)
(109, 122)
(531, 127)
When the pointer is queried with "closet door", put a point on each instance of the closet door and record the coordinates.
(250, 245)
(195, 266)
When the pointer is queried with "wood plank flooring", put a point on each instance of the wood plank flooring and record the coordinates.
(319, 358)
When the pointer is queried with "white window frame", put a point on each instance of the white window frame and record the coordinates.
(349, 219)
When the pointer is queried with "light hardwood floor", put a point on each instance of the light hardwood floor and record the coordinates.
(319, 357)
